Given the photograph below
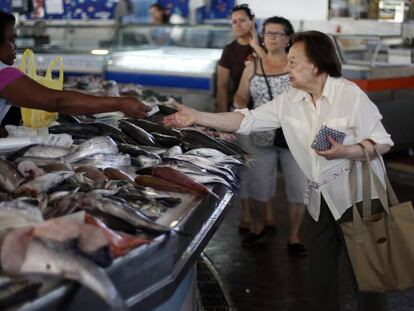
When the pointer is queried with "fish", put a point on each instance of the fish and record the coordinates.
(40, 161)
(43, 151)
(21, 254)
(120, 213)
(173, 151)
(139, 135)
(146, 161)
(201, 175)
(135, 151)
(112, 131)
(77, 131)
(162, 184)
(68, 119)
(93, 146)
(151, 127)
(207, 165)
(120, 243)
(57, 166)
(166, 140)
(15, 292)
(29, 169)
(121, 161)
(91, 172)
(197, 138)
(175, 176)
(19, 213)
(43, 183)
(12, 144)
(10, 177)
(156, 150)
(12, 156)
(114, 173)
(215, 155)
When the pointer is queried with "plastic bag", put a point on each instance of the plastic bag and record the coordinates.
(35, 118)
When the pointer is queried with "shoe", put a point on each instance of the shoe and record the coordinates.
(271, 228)
(253, 237)
(244, 229)
(296, 249)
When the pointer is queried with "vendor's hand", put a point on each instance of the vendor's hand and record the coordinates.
(134, 108)
(337, 150)
(185, 116)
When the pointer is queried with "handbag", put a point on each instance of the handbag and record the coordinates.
(264, 138)
(272, 137)
(380, 246)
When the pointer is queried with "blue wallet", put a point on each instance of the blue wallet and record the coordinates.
(321, 142)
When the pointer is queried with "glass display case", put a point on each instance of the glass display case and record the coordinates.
(381, 67)
(82, 44)
(371, 57)
(177, 59)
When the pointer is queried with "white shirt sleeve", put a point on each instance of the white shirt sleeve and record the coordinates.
(263, 118)
(367, 120)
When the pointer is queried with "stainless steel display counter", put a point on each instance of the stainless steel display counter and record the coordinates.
(148, 276)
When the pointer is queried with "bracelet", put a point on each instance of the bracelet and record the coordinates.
(371, 141)
(361, 145)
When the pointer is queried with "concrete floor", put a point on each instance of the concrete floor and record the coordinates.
(265, 278)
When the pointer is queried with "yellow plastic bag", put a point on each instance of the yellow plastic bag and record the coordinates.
(35, 118)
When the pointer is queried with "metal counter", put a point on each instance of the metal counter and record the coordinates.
(148, 275)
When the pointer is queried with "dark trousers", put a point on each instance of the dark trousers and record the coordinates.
(325, 243)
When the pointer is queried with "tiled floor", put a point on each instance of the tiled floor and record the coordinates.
(265, 278)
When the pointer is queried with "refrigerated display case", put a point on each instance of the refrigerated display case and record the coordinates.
(180, 60)
(82, 44)
(369, 61)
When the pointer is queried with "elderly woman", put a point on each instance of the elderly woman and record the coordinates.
(19, 90)
(319, 97)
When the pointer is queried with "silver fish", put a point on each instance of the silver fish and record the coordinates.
(173, 151)
(39, 161)
(10, 177)
(48, 257)
(128, 214)
(93, 146)
(120, 161)
(19, 213)
(43, 183)
(43, 151)
(215, 155)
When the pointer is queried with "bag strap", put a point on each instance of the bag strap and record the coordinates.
(57, 60)
(366, 188)
(392, 197)
(266, 80)
(31, 69)
(356, 218)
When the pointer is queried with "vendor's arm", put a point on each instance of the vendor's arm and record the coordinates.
(242, 97)
(223, 78)
(25, 92)
(369, 132)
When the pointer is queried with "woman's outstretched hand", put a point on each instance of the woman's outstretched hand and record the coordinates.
(185, 116)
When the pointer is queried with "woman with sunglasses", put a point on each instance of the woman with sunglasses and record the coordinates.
(262, 80)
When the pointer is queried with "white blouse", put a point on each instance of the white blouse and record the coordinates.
(342, 106)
